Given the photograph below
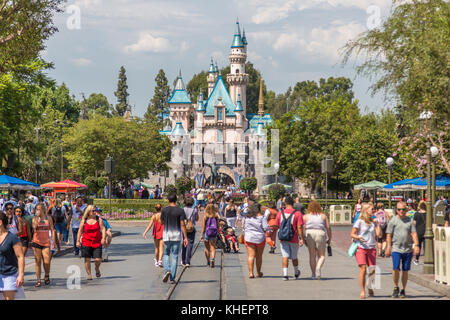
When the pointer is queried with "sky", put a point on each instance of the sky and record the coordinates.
(288, 41)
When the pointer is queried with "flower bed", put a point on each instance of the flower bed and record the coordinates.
(127, 216)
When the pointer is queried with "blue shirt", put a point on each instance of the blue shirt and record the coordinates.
(106, 223)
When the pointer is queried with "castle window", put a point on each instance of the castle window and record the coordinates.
(237, 70)
(219, 135)
(219, 114)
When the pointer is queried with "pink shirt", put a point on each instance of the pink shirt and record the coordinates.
(297, 221)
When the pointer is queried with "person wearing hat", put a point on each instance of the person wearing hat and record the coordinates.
(411, 209)
(108, 229)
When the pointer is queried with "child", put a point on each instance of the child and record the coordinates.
(158, 229)
(232, 241)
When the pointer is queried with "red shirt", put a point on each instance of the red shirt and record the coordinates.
(297, 221)
(92, 236)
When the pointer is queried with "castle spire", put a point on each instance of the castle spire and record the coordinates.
(261, 100)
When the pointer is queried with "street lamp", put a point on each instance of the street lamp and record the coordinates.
(428, 267)
(277, 167)
(390, 164)
(434, 152)
(109, 168)
(38, 161)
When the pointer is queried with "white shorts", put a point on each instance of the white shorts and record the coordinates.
(289, 249)
(8, 283)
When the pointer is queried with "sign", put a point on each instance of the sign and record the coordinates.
(439, 212)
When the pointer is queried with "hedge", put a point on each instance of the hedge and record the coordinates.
(333, 202)
(130, 205)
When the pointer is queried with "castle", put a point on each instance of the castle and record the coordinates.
(225, 141)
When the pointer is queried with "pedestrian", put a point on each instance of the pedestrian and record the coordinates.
(365, 231)
(41, 244)
(76, 216)
(419, 222)
(357, 210)
(60, 218)
(158, 229)
(210, 225)
(271, 216)
(280, 203)
(145, 194)
(382, 220)
(317, 231)
(232, 240)
(231, 212)
(108, 237)
(172, 217)
(14, 223)
(90, 239)
(254, 229)
(401, 239)
(299, 206)
(12, 261)
(68, 205)
(191, 218)
(411, 209)
(290, 234)
(24, 233)
(29, 207)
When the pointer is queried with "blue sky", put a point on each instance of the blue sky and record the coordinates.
(289, 41)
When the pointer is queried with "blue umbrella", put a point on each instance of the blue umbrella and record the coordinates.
(442, 183)
(7, 182)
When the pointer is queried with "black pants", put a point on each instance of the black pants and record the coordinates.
(186, 252)
(421, 241)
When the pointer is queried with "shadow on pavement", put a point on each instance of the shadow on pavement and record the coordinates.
(131, 249)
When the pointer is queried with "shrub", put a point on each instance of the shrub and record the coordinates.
(276, 191)
(248, 184)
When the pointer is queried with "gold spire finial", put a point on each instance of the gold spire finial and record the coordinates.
(261, 100)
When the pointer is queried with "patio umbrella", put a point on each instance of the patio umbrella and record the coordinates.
(267, 186)
(442, 183)
(372, 185)
(7, 182)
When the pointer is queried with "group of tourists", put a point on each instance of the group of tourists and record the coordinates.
(132, 192)
(44, 227)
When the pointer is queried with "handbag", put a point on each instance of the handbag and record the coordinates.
(354, 246)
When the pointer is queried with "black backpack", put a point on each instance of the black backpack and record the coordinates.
(59, 215)
(286, 231)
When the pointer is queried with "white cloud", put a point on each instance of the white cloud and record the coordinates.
(149, 43)
(81, 62)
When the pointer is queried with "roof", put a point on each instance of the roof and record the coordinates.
(237, 40)
(239, 104)
(201, 103)
(220, 90)
(180, 94)
(178, 130)
(254, 119)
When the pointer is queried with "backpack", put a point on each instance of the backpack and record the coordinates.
(59, 215)
(286, 231)
(381, 216)
(189, 224)
(211, 228)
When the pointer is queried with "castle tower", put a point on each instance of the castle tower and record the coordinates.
(212, 77)
(237, 78)
(180, 106)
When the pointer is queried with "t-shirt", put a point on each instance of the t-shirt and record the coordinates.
(368, 236)
(171, 218)
(63, 210)
(8, 259)
(299, 207)
(106, 224)
(420, 219)
(279, 204)
(401, 230)
(255, 228)
(76, 217)
(191, 214)
(297, 221)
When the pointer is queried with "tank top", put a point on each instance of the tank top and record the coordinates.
(12, 227)
(231, 213)
(315, 222)
(42, 233)
(24, 231)
(158, 229)
(271, 218)
(92, 236)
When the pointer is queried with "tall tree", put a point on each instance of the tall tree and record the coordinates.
(24, 27)
(121, 93)
(97, 103)
(159, 104)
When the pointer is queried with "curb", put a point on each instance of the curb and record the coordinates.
(70, 249)
(430, 284)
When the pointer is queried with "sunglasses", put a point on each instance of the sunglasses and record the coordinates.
(401, 209)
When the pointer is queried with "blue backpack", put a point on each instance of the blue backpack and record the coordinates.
(286, 231)
(211, 228)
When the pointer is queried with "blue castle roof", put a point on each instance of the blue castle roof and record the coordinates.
(237, 40)
(220, 90)
(180, 94)
(239, 104)
(178, 130)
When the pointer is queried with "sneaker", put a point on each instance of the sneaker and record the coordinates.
(402, 294)
(172, 281)
(286, 278)
(160, 264)
(318, 274)
(416, 262)
(212, 263)
(395, 294)
(313, 277)
(382, 253)
(297, 274)
(187, 265)
(166, 277)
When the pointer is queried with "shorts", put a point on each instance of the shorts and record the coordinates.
(8, 282)
(405, 258)
(38, 246)
(206, 238)
(289, 249)
(366, 256)
(24, 241)
(383, 234)
(258, 245)
(89, 252)
(59, 227)
(316, 238)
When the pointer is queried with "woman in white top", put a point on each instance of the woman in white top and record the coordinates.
(254, 229)
(318, 235)
(364, 231)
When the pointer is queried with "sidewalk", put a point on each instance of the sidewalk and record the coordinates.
(339, 278)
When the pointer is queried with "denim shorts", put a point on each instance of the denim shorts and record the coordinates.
(289, 249)
(404, 258)
(206, 238)
(59, 227)
(8, 283)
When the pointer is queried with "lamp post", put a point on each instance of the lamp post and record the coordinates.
(61, 124)
(109, 168)
(428, 267)
(38, 161)
(390, 164)
(277, 167)
(434, 152)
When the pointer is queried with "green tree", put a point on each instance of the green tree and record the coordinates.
(90, 141)
(97, 103)
(248, 184)
(276, 191)
(24, 27)
(121, 93)
(159, 104)
(184, 185)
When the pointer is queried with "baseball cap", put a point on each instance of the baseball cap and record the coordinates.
(98, 209)
(409, 201)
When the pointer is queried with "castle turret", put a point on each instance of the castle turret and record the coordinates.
(180, 105)
(237, 78)
(212, 77)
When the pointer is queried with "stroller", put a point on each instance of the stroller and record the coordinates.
(222, 242)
